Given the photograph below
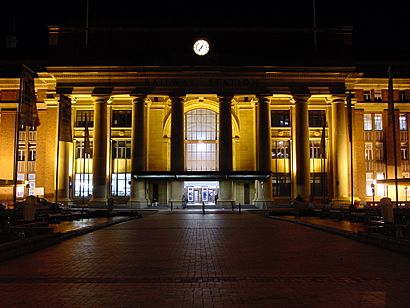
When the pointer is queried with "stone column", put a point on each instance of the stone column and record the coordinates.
(225, 196)
(138, 158)
(264, 154)
(340, 150)
(100, 152)
(302, 148)
(177, 149)
(63, 172)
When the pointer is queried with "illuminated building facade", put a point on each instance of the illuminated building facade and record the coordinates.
(257, 136)
(244, 118)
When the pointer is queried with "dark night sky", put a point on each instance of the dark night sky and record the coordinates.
(375, 26)
(365, 18)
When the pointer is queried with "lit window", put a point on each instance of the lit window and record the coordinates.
(378, 95)
(368, 121)
(378, 123)
(368, 152)
(404, 150)
(280, 149)
(315, 149)
(403, 122)
(201, 135)
(367, 96)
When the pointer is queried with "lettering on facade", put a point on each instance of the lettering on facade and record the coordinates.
(201, 83)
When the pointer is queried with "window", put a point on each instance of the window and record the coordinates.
(79, 149)
(315, 149)
(121, 168)
(380, 188)
(402, 96)
(378, 123)
(404, 150)
(80, 118)
(281, 185)
(32, 154)
(367, 96)
(369, 182)
(316, 118)
(121, 118)
(83, 184)
(280, 149)
(403, 122)
(379, 151)
(121, 184)
(368, 121)
(201, 134)
(121, 149)
(21, 153)
(368, 151)
(280, 118)
(318, 184)
(378, 95)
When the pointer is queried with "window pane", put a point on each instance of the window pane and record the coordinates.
(121, 118)
(403, 122)
(201, 134)
(368, 122)
(378, 123)
(316, 118)
(280, 118)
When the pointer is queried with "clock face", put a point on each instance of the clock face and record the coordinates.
(201, 47)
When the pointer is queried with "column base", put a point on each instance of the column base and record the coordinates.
(63, 200)
(176, 204)
(264, 204)
(138, 204)
(98, 202)
(340, 202)
(225, 204)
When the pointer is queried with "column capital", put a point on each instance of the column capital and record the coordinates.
(300, 98)
(338, 99)
(101, 99)
(176, 97)
(226, 97)
(138, 98)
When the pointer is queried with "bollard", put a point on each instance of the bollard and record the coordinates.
(172, 205)
(203, 207)
(239, 208)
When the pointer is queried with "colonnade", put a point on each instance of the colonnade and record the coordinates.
(263, 196)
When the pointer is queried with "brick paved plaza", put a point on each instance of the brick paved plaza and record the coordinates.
(214, 260)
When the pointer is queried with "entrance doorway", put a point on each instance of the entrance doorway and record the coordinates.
(201, 191)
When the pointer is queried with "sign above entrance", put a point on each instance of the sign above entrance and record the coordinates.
(211, 175)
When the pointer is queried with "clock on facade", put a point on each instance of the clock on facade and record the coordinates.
(201, 47)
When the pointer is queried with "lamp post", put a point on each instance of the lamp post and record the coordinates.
(405, 191)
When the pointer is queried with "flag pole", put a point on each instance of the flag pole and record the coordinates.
(84, 154)
(392, 117)
(58, 146)
(16, 143)
(349, 115)
(323, 157)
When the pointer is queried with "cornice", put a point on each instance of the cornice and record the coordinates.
(381, 83)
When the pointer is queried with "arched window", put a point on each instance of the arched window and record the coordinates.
(201, 140)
